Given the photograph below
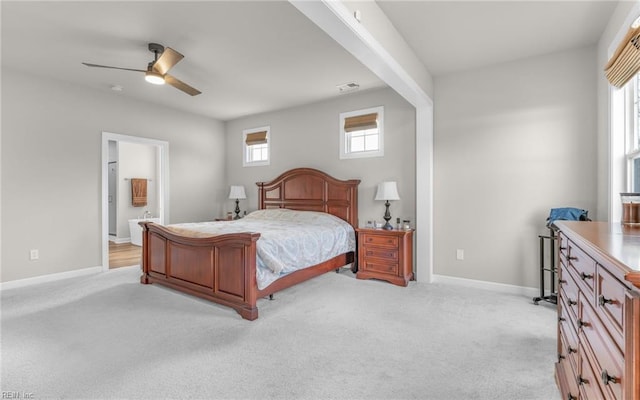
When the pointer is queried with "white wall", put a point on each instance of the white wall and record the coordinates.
(51, 168)
(136, 161)
(511, 141)
(308, 136)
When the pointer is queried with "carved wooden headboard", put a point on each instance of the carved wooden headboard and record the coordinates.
(311, 190)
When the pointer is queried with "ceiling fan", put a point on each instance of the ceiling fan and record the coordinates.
(164, 59)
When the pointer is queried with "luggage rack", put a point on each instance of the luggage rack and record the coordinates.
(549, 269)
(567, 214)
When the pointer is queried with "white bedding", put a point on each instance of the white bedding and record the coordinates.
(289, 240)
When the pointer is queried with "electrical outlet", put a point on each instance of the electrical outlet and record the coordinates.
(34, 254)
(459, 254)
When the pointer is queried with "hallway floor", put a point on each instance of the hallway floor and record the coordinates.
(124, 255)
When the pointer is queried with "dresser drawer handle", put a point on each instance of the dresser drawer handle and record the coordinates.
(571, 350)
(561, 319)
(582, 323)
(585, 276)
(606, 378)
(571, 397)
(581, 381)
(562, 282)
(572, 302)
(572, 258)
(563, 247)
(560, 357)
(603, 300)
(381, 254)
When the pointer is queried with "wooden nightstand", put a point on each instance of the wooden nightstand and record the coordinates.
(386, 255)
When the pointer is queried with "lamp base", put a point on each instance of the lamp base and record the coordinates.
(387, 217)
(237, 210)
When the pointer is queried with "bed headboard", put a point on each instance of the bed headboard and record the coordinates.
(311, 190)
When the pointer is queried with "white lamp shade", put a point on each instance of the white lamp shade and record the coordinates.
(387, 191)
(237, 192)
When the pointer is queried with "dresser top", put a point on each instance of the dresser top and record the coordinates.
(616, 243)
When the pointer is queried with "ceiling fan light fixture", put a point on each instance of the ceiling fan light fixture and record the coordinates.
(154, 77)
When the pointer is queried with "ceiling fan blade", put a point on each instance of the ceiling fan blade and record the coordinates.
(178, 84)
(106, 66)
(167, 60)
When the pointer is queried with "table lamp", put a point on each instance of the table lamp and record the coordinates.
(387, 191)
(237, 192)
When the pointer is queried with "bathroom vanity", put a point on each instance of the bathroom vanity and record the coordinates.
(135, 230)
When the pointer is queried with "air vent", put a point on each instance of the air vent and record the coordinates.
(348, 87)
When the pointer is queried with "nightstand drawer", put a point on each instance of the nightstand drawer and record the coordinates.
(379, 266)
(380, 240)
(387, 254)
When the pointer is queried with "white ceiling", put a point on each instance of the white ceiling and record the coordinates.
(252, 57)
(450, 36)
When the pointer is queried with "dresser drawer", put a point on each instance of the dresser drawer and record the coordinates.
(369, 265)
(379, 240)
(610, 304)
(569, 347)
(568, 384)
(583, 269)
(562, 246)
(608, 366)
(587, 379)
(569, 294)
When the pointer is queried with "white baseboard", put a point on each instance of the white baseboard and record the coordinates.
(49, 278)
(493, 286)
(118, 240)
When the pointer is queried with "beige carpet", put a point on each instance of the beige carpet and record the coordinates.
(335, 337)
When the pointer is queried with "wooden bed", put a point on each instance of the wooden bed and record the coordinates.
(222, 268)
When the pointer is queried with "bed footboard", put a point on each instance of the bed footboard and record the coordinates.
(218, 268)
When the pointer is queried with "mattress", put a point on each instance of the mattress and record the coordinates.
(289, 240)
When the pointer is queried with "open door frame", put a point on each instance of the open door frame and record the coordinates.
(163, 183)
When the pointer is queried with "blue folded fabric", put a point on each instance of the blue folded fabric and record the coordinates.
(567, 214)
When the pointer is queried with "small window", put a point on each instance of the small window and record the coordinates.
(255, 146)
(362, 133)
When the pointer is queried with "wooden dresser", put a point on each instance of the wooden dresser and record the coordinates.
(386, 255)
(598, 311)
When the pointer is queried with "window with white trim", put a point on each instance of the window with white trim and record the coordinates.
(632, 143)
(362, 133)
(255, 146)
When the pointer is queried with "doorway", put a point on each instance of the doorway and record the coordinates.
(112, 197)
(111, 182)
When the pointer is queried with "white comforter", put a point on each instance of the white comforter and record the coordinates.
(289, 240)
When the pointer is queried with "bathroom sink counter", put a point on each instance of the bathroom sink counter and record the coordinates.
(135, 230)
